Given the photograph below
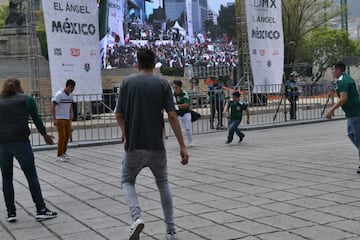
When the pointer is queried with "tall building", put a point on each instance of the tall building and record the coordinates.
(174, 9)
(353, 17)
(212, 16)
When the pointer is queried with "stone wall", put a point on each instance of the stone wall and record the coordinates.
(110, 77)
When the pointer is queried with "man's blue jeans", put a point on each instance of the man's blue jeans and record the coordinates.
(353, 130)
(233, 128)
(23, 153)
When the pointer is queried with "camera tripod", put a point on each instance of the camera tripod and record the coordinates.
(278, 107)
(283, 97)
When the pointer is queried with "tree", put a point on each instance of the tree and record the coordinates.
(325, 46)
(4, 12)
(213, 29)
(299, 19)
(227, 21)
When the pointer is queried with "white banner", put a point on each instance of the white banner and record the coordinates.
(190, 30)
(116, 20)
(266, 44)
(72, 32)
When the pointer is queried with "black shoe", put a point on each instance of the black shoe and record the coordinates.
(358, 170)
(227, 141)
(11, 217)
(45, 214)
(241, 139)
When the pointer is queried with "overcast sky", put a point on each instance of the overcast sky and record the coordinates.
(215, 4)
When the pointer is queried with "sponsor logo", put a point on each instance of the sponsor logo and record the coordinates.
(269, 63)
(75, 52)
(67, 64)
(262, 52)
(254, 52)
(87, 67)
(57, 52)
(93, 53)
(276, 52)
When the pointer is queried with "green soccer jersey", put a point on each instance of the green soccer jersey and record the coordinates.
(236, 109)
(352, 105)
(182, 98)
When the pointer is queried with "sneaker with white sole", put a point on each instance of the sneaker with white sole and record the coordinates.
(45, 214)
(11, 217)
(67, 157)
(61, 158)
(135, 229)
(171, 235)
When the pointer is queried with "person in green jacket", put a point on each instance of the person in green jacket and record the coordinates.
(349, 102)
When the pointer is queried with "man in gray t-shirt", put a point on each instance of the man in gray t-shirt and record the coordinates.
(139, 113)
(142, 100)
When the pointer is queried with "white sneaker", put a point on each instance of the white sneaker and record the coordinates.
(171, 235)
(191, 144)
(66, 156)
(135, 229)
(61, 158)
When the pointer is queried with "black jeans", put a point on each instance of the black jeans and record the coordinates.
(217, 106)
(293, 107)
(22, 151)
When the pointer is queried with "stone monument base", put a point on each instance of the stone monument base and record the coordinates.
(13, 42)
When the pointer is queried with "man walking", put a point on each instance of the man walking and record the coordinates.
(139, 112)
(349, 102)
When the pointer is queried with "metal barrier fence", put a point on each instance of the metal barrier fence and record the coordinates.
(94, 119)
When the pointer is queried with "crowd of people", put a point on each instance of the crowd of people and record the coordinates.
(174, 54)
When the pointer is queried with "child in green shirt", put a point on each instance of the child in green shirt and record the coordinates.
(236, 110)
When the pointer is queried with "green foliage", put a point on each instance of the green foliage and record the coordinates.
(299, 19)
(174, 71)
(325, 46)
(214, 30)
(41, 34)
(227, 21)
(4, 13)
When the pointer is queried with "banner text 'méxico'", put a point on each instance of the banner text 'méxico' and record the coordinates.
(73, 28)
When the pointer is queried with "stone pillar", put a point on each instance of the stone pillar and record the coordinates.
(13, 42)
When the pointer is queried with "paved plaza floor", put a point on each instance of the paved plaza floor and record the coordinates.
(286, 183)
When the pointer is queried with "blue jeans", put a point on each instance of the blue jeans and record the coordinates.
(353, 131)
(23, 153)
(133, 163)
(233, 128)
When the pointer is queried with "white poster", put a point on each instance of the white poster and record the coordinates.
(189, 21)
(72, 32)
(266, 44)
(116, 20)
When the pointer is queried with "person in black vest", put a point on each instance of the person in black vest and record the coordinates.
(217, 98)
(15, 109)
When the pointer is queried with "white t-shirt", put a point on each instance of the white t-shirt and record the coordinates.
(63, 104)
